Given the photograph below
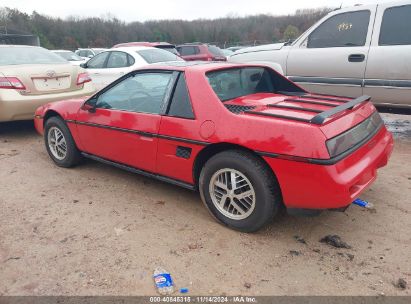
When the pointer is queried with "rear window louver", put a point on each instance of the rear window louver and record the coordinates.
(321, 116)
(236, 109)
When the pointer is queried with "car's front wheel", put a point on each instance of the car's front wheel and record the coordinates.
(60, 144)
(239, 190)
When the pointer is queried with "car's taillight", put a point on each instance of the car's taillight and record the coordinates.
(354, 136)
(11, 83)
(83, 78)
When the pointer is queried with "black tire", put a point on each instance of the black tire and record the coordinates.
(73, 155)
(268, 197)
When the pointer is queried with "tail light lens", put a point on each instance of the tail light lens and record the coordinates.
(11, 83)
(355, 136)
(83, 78)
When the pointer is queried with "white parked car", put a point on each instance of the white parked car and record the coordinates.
(362, 50)
(70, 56)
(89, 53)
(109, 65)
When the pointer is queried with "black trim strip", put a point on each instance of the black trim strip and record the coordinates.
(184, 140)
(324, 162)
(294, 108)
(141, 172)
(323, 80)
(394, 83)
(320, 118)
(312, 102)
(147, 134)
(387, 83)
(327, 98)
(277, 116)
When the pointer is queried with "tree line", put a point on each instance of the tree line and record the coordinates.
(74, 32)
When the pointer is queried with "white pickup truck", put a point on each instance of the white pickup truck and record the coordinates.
(362, 50)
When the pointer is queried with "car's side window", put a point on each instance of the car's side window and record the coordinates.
(98, 61)
(396, 26)
(144, 92)
(342, 30)
(130, 60)
(180, 105)
(188, 50)
(117, 60)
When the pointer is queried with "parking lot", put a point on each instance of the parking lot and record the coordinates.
(97, 230)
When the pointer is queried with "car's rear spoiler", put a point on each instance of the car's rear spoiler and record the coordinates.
(322, 116)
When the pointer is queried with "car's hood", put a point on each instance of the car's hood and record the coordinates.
(265, 47)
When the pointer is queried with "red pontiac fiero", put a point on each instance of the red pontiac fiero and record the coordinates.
(247, 138)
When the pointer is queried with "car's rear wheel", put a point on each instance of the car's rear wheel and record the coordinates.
(60, 144)
(240, 190)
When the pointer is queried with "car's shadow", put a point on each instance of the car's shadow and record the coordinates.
(17, 128)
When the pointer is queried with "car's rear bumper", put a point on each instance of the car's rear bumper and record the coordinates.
(314, 186)
(14, 106)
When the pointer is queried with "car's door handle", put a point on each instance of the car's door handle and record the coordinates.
(356, 58)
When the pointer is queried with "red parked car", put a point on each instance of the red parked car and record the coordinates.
(247, 138)
(201, 52)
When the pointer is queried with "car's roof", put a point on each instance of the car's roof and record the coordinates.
(201, 66)
(143, 43)
(19, 45)
(132, 48)
(61, 51)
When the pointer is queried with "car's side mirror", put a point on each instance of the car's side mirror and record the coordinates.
(90, 107)
(90, 56)
(83, 65)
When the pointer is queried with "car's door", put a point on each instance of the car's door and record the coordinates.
(96, 69)
(388, 74)
(176, 152)
(118, 64)
(123, 125)
(331, 58)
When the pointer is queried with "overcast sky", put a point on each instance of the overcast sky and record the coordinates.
(142, 10)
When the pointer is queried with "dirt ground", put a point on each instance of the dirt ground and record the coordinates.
(97, 230)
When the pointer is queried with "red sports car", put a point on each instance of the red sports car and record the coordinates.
(247, 138)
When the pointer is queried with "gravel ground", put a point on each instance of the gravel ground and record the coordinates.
(97, 230)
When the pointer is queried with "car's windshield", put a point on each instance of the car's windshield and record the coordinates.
(70, 56)
(237, 82)
(28, 55)
(158, 55)
(98, 51)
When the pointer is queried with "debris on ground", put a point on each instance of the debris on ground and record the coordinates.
(183, 290)
(163, 281)
(195, 246)
(295, 252)
(335, 241)
(299, 239)
(162, 203)
(350, 256)
(247, 285)
(12, 258)
(401, 283)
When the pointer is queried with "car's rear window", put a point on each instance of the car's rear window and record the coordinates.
(216, 51)
(28, 55)
(237, 82)
(69, 56)
(158, 55)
